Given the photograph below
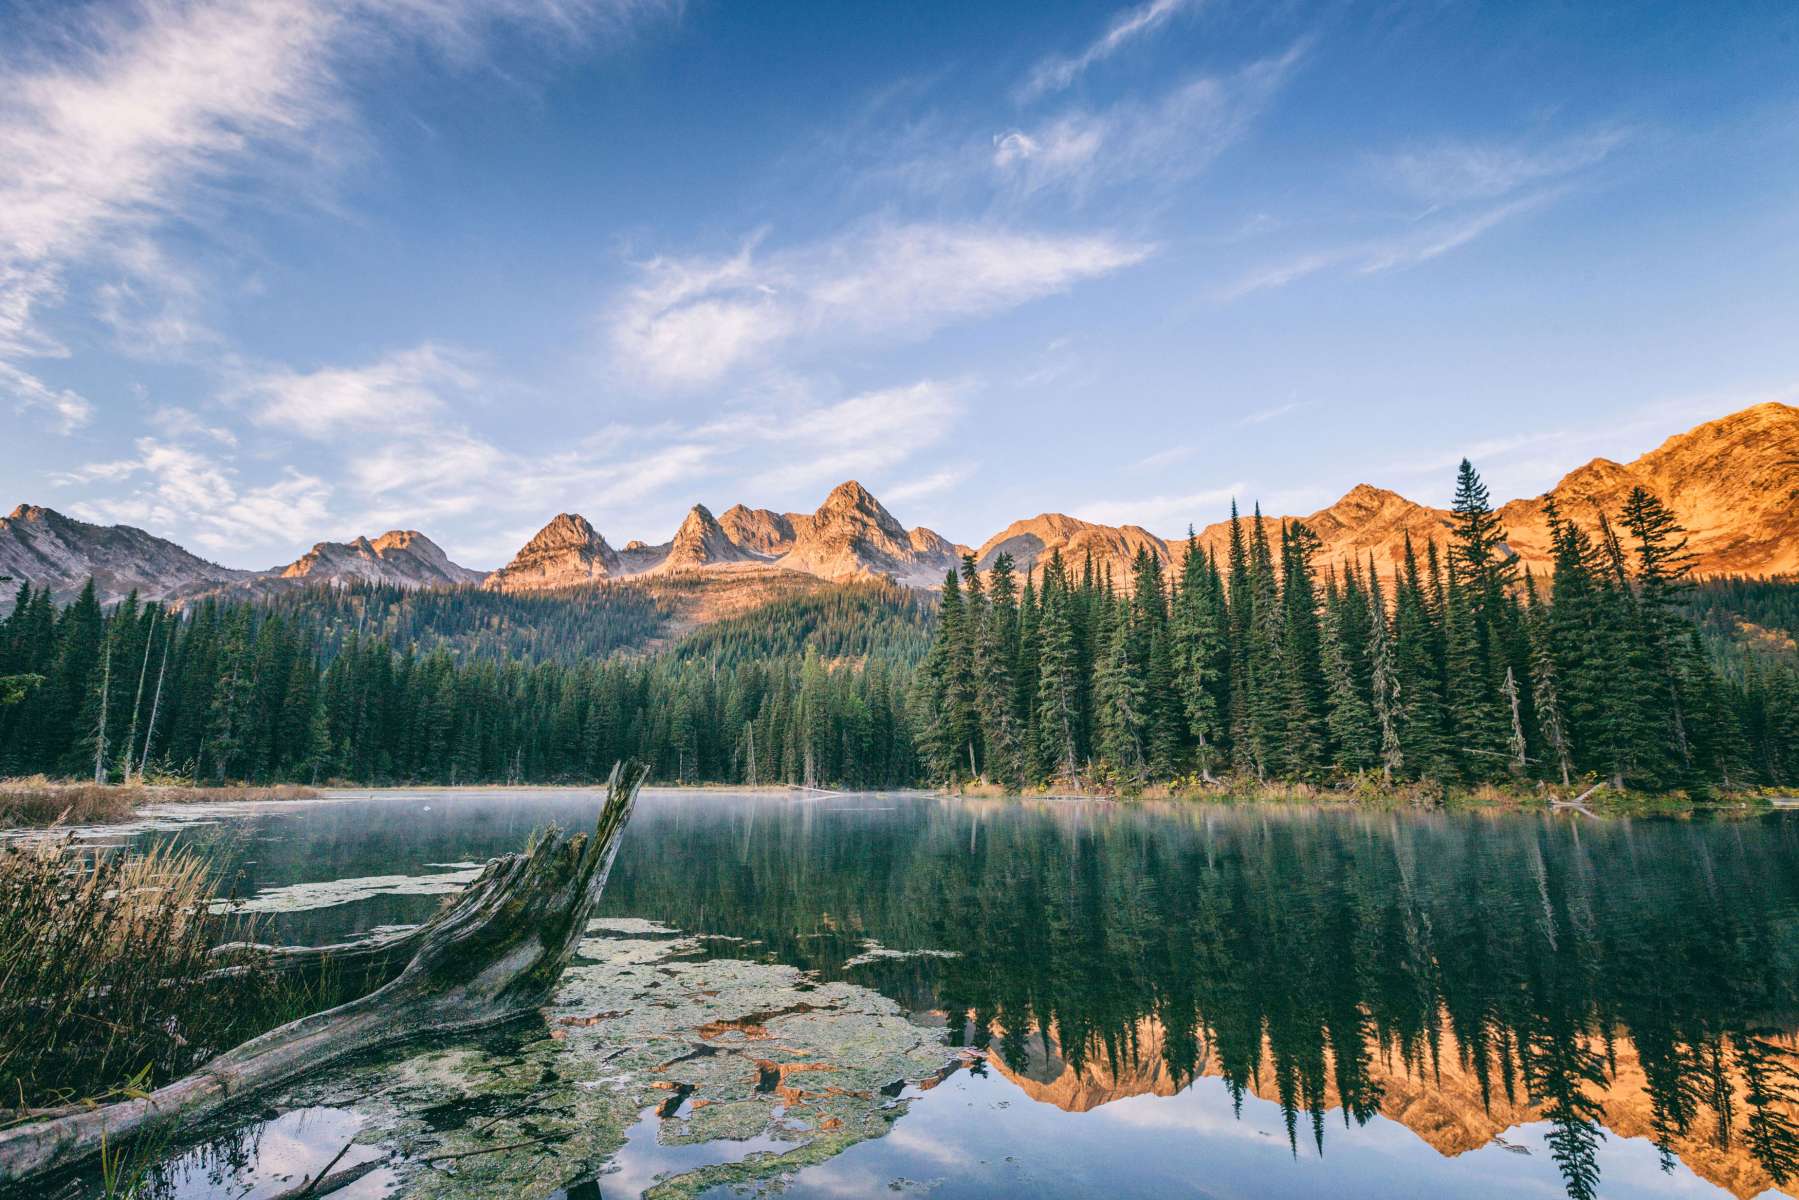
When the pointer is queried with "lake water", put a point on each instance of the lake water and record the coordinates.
(1070, 998)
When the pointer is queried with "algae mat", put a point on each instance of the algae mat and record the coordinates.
(704, 1072)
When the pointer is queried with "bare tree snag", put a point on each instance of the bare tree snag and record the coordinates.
(496, 953)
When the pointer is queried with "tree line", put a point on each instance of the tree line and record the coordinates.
(260, 693)
(1262, 663)
(1456, 668)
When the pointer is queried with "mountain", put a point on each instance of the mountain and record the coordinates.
(51, 550)
(566, 552)
(1733, 482)
(852, 536)
(403, 557)
(767, 533)
(702, 542)
(1366, 521)
(1443, 1103)
(1031, 542)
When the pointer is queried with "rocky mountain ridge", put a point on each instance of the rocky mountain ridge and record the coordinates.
(1734, 483)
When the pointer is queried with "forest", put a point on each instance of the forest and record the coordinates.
(1262, 664)
(1457, 670)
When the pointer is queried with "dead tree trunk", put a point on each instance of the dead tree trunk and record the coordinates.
(494, 954)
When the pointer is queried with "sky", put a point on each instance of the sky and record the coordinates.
(277, 271)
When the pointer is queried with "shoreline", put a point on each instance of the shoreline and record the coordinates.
(50, 805)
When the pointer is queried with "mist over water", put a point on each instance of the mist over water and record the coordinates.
(1258, 1000)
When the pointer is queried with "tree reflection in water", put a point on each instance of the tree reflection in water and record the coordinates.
(1461, 974)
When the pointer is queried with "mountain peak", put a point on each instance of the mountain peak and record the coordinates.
(850, 495)
(702, 541)
(565, 552)
(401, 557)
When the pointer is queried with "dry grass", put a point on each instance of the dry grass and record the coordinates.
(101, 961)
(37, 801)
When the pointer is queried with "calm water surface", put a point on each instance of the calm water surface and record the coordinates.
(1187, 1000)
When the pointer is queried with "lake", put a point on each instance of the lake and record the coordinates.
(872, 994)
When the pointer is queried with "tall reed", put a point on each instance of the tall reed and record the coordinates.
(103, 972)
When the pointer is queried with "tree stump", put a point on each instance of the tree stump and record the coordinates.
(494, 954)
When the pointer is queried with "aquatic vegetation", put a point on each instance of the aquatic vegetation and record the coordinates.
(99, 956)
(298, 897)
(873, 951)
(653, 1071)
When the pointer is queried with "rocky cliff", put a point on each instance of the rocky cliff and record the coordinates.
(60, 553)
(565, 553)
(402, 557)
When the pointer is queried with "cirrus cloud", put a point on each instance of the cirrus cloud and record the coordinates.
(690, 321)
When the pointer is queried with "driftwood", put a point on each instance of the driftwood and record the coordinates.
(1579, 803)
(495, 953)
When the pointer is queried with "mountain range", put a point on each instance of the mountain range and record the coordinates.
(1733, 482)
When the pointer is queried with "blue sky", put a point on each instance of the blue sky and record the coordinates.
(284, 270)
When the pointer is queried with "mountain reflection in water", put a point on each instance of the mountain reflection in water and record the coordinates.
(1461, 975)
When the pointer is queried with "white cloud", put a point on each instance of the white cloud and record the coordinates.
(1449, 172)
(861, 435)
(1057, 72)
(1372, 256)
(122, 118)
(691, 321)
(66, 409)
(406, 386)
(1163, 512)
(1174, 137)
(179, 486)
(1468, 190)
(1166, 458)
(936, 483)
(1262, 416)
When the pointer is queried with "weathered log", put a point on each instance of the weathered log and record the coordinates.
(494, 954)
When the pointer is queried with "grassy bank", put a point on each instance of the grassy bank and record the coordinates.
(103, 973)
(35, 801)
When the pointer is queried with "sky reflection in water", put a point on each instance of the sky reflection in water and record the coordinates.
(1183, 999)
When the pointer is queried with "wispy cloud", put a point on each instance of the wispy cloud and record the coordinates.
(1163, 511)
(1455, 171)
(1467, 190)
(66, 410)
(177, 486)
(1162, 459)
(866, 433)
(689, 321)
(1057, 72)
(1264, 415)
(934, 484)
(406, 386)
(1172, 137)
(127, 116)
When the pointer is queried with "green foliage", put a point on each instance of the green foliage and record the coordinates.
(290, 690)
(1468, 675)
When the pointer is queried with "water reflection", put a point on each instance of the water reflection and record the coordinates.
(1463, 976)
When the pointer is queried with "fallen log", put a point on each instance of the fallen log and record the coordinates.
(494, 954)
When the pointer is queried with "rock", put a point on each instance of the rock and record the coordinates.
(565, 553)
(49, 550)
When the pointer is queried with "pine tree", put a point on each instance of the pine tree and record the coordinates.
(995, 665)
(1058, 686)
(1354, 732)
(1200, 654)
(1119, 698)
